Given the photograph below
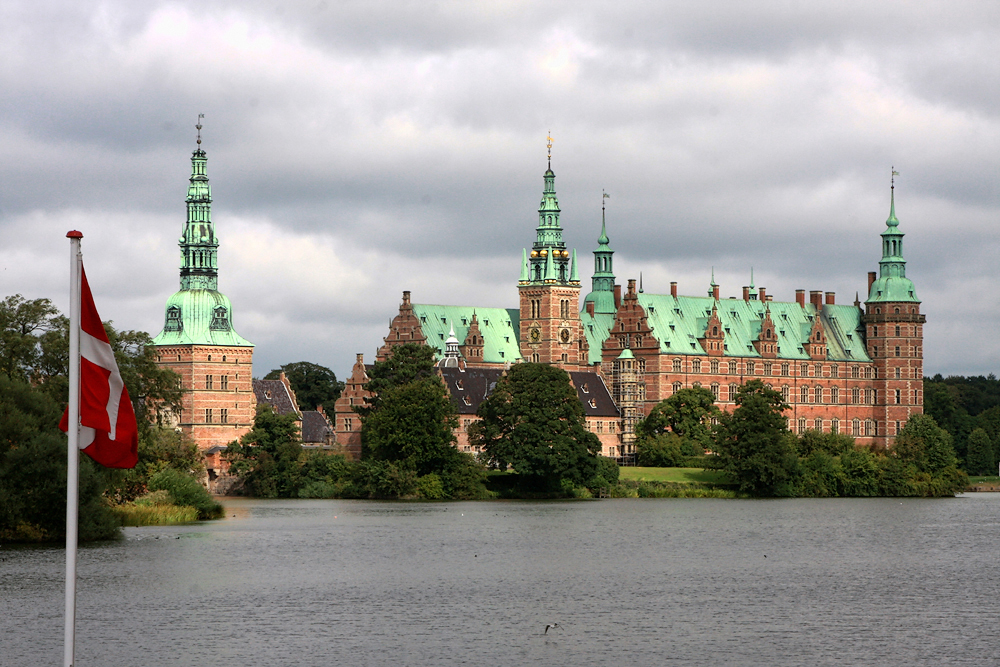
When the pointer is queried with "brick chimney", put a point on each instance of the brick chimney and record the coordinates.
(871, 280)
(800, 297)
(831, 298)
(746, 293)
(762, 294)
(816, 299)
(715, 292)
(618, 297)
(673, 289)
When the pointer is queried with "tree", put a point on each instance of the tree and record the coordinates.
(980, 459)
(534, 422)
(314, 385)
(660, 451)
(21, 324)
(267, 458)
(406, 363)
(925, 444)
(687, 413)
(754, 445)
(413, 425)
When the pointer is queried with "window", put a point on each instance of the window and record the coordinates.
(676, 387)
(677, 365)
(897, 350)
(565, 357)
(733, 370)
(751, 368)
(208, 415)
(819, 394)
(767, 368)
(785, 369)
(715, 367)
(804, 370)
(733, 388)
(856, 427)
(804, 395)
(348, 424)
(784, 393)
(855, 395)
(818, 424)
(834, 371)
(898, 373)
(835, 394)
(534, 357)
(897, 329)
(696, 365)
(834, 425)
(802, 425)
(224, 382)
(208, 382)
(611, 427)
(898, 396)
(224, 416)
(819, 370)
(870, 427)
(855, 372)
(715, 390)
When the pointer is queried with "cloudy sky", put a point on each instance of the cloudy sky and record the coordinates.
(357, 149)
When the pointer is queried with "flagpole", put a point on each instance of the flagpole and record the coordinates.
(73, 448)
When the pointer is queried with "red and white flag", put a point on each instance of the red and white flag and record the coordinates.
(108, 431)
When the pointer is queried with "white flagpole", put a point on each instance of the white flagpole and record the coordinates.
(73, 450)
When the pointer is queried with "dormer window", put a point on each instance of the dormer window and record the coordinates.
(174, 322)
(220, 319)
(423, 319)
(586, 388)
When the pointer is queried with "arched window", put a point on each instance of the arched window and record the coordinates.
(714, 364)
(715, 390)
(696, 365)
(819, 394)
(856, 427)
(803, 394)
(835, 394)
(785, 393)
(715, 331)
(818, 424)
(676, 387)
(677, 365)
(733, 368)
(785, 369)
(733, 388)
(834, 425)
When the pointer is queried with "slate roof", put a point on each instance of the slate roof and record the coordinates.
(500, 327)
(470, 387)
(315, 427)
(275, 394)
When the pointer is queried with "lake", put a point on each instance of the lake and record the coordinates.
(630, 582)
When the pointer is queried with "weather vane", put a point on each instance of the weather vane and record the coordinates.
(549, 137)
(892, 179)
(198, 126)
(604, 195)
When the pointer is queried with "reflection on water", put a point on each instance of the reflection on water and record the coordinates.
(630, 582)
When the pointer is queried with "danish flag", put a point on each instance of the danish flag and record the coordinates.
(108, 430)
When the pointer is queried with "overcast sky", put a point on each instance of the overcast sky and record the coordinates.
(359, 149)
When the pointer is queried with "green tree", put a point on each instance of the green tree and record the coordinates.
(754, 445)
(927, 448)
(33, 472)
(314, 385)
(22, 322)
(413, 425)
(534, 423)
(660, 451)
(406, 363)
(267, 458)
(980, 459)
(688, 414)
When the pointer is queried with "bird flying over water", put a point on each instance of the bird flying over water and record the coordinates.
(550, 625)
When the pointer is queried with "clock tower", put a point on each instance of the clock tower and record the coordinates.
(549, 287)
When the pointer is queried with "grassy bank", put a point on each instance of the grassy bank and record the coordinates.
(673, 475)
(154, 509)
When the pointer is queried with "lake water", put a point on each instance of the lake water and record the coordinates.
(630, 582)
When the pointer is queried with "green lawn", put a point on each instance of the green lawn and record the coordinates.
(973, 479)
(681, 475)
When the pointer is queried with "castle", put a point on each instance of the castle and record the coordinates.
(841, 368)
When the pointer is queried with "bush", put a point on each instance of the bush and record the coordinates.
(430, 487)
(186, 491)
(660, 451)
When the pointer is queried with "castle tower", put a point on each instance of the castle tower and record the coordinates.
(550, 291)
(625, 382)
(894, 332)
(602, 283)
(198, 340)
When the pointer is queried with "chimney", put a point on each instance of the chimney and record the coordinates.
(360, 358)
(631, 287)
(871, 280)
(816, 299)
(715, 292)
(746, 293)
(590, 308)
(673, 289)
(831, 298)
(769, 297)
(406, 297)
(800, 297)
(762, 295)
(618, 297)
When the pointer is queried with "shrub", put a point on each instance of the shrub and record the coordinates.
(186, 491)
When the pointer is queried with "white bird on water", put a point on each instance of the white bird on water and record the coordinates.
(550, 625)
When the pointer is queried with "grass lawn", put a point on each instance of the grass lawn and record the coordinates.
(681, 475)
(973, 479)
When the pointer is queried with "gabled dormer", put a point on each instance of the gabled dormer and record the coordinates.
(714, 339)
(472, 347)
(815, 347)
(767, 340)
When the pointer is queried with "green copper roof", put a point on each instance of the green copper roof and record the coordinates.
(602, 283)
(199, 317)
(596, 328)
(500, 328)
(892, 284)
(199, 314)
(626, 354)
(549, 261)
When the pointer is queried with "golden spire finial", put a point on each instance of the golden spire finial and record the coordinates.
(549, 145)
(892, 179)
(198, 126)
